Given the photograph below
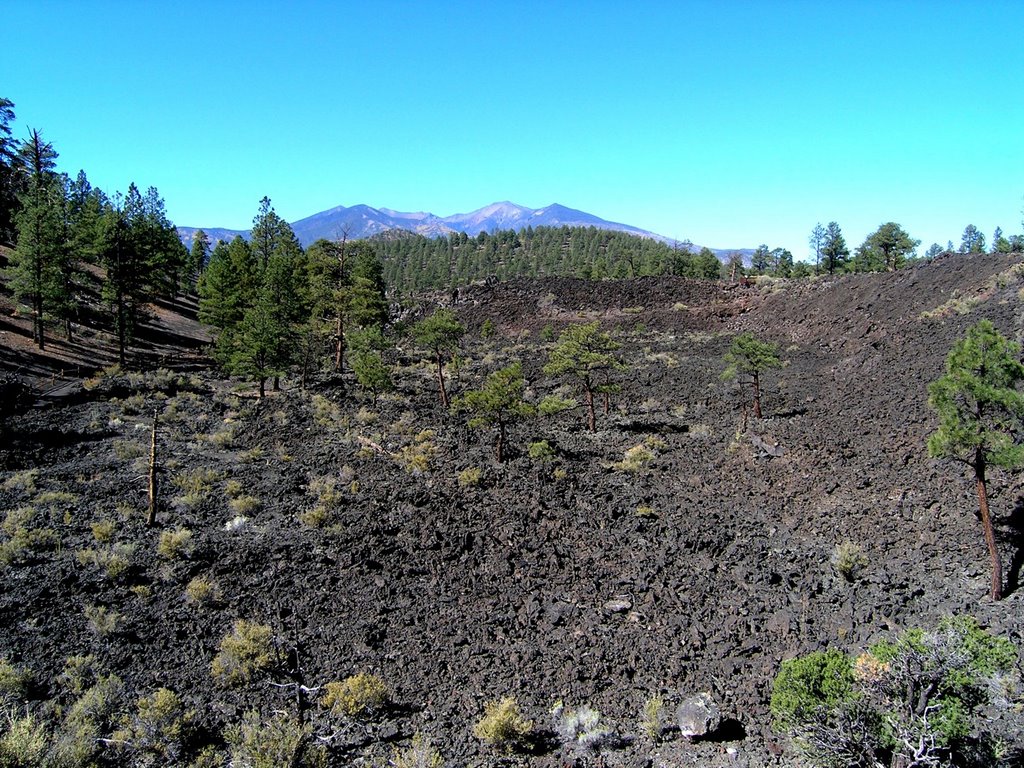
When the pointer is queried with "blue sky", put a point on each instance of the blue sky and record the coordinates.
(729, 123)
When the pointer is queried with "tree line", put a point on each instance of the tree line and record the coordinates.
(59, 225)
(412, 262)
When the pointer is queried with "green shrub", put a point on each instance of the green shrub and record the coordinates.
(652, 720)
(849, 560)
(280, 741)
(24, 481)
(419, 754)
(808, 684)
(24, 742)
(356, 696)
(202, 591)
(246, 651)
(502, 725)
(470, 477)
(415, 458)
(155, 734)
(175, 544)
(14, 681)
(328, 498)
(114, 559)
(635, 459)
(912, 700)
(102, 621)
(540, 450)
(103, 530)
(244, 505)
(21, 542)
(80, 673)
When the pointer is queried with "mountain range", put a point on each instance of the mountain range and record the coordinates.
(361, 221)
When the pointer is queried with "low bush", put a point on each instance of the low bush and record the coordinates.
(470, 477)
(356, 696)
(849, 560)
(419, 754)
(155, 734)
(244, 652)
(580, 729)
(279, 741)
(175, 544)
(910, 701)
(202, 591)
(502, 725)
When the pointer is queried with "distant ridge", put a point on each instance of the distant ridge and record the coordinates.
(362, 221)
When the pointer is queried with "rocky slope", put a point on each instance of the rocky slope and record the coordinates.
(564, 578)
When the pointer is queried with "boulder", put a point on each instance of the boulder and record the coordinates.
(698, 716)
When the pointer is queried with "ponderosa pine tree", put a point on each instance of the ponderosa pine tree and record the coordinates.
(10, 183)
(972, 240)
(199, 254)
(439, 333)
(587, 354)
(142, 254)
(885, 249)
(749, 357)
(834, 249)
(227, 288)
(981, 413)
(35, 265)
(817, 242)
(371, 371)
(498, 403)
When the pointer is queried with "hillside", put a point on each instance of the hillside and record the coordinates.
(355, 533)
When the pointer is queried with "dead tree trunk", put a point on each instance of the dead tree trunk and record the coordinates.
(151, 517)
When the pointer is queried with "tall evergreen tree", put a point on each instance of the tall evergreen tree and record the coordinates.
(981, 414)
(10, 181)
(35, 266)
(199, 254)
(227, 288)
(817, 242)
(834, 249)
(142, 254)
(972, 241)
(440, 333)
(885, 249)
(587, 354)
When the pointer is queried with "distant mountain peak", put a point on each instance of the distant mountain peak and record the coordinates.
(362, 221)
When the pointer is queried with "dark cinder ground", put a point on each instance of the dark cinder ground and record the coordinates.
(562, 579)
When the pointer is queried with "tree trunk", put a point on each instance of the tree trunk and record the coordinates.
(440, 382)
(757, 396)
(339, 348)
(591, 423)
(263, 387)
(986, 522)
(151, 518)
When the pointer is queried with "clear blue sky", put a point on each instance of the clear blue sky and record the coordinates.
(730, 123)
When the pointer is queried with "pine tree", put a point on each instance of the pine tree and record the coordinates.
(35, 265)
(834, 249)
(199, 253)
(981, 413)
(142, 254)
(10, 183)
(749, 357)
(498, 403)
(440, 333)
(584, 352)
(371, 371)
